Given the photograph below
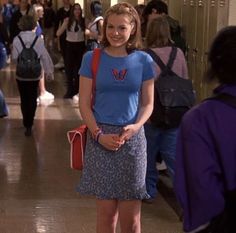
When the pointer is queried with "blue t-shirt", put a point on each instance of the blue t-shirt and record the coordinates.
(118, 85)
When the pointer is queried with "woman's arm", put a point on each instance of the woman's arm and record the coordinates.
(145, 111)
(109, 141)
(63, 27)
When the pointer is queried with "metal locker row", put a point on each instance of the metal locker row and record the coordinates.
(201, 19)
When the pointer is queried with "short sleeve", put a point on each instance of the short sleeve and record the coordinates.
(86, 65)
(149, 71)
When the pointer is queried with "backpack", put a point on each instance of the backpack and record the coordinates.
(28, 63)
(225, 98)
(173, 95)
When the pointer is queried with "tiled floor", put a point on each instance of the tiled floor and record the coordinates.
(37, 186)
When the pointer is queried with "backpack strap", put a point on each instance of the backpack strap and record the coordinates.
(35, 39)
(95, 65)
(23, 45)
(172, 57)
(32, 45)
(159, 62)
(225, 98)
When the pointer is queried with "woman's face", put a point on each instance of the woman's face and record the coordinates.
(40, 12)
(77, 11)
(118, 30)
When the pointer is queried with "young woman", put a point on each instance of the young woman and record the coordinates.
(205, 181)
(94, 28)
(161, 141)
(115, 159)
(38, 12)
(29, 88)
(75, 47)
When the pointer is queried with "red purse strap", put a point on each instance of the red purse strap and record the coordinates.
(95, 65)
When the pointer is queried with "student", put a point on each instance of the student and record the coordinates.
(155, 8)
(29, 88)
(38, 12)
(205, 181)
(75, 47)
(24, 9)
(94, 28)
(115, 157)
(161, 139)
(61, 14)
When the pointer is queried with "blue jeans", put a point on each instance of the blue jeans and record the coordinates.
(159, 142)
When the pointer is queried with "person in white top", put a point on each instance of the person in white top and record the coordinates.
(93, 31)
(75, 48)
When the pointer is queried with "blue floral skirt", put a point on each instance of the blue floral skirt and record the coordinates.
(118, 174)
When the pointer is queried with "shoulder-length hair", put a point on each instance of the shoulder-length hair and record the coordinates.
(158, 33)
(72, 19)
(127, 9)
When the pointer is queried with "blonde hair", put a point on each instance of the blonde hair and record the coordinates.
(158, 33)
(127, 9)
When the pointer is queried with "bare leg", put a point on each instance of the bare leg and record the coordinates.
(107, 216)
(42, 88)
(129, 215)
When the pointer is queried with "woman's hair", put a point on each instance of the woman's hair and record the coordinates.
(72, 19)
(158, 33)
(127, 9)
(35, 10)
(96, 8)
(222, 57)
(27, 23)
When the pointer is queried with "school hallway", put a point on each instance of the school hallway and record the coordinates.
(38, 187)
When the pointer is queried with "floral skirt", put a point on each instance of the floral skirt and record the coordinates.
(118, 174)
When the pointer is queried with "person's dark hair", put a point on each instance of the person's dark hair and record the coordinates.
(139, 8)
(154, 5)
(157, 5)
(158, 33)
(127, 9)
(222, 57)
(96, 8)
(27, 23)
(81, 21)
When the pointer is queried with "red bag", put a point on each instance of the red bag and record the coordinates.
(77, 140)
(77, 137)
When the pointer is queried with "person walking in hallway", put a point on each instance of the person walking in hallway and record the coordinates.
(161, 138)
(28, 87)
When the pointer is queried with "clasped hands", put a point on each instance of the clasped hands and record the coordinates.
(115, 141)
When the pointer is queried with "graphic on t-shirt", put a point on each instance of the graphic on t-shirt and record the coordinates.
(119, 75)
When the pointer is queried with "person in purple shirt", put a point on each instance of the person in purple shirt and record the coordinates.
(205, 175)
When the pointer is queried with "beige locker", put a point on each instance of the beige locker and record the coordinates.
(201, 20)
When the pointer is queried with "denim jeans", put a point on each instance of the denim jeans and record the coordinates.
(159, 142)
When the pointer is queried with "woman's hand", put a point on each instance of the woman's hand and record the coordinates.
(110, 141)
(129, 131)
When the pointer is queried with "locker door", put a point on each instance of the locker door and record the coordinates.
(189, 15)
(199, 49)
